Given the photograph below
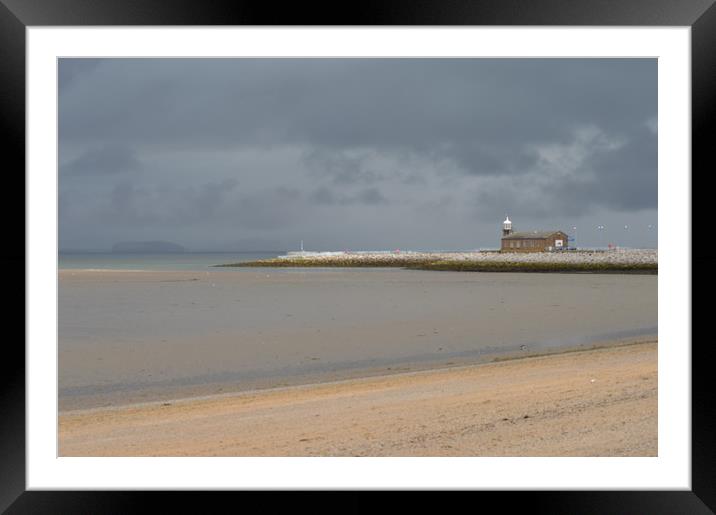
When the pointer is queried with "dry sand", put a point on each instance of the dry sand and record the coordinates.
(590, 403)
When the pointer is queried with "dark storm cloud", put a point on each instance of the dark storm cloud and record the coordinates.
(257, 144)
(415, 104)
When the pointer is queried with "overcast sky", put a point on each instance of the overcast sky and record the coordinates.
(258, 154)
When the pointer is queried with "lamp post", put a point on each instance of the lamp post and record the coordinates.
(575, 237)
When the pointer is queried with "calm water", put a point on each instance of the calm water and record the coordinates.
(135, 261)
(132, 336)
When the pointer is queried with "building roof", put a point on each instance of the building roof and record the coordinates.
(540, 235)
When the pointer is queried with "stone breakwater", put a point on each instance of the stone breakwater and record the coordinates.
(616, 260)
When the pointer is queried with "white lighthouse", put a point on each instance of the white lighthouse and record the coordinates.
(506, 227)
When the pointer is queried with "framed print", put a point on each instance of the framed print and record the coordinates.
(296, 250)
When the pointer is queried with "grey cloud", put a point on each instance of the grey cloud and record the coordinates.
(323, 196)
(619, 176)
(625, 179)
(489, 159)
(127, 205)
(268, 209)
(371, 196)
(121, 197)
(242, 149)
(69, 70)
(368, 196)
(211, 196)
(341, 168)
(107, 159)
(287, 194)
(346, 103)
(219, 204)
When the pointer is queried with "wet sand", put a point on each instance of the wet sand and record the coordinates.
(128, 337)
(588, 403)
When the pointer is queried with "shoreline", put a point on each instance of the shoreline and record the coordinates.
(224, 424)
(119, 397)
(360, 375)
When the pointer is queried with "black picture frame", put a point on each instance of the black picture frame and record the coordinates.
(17, 15)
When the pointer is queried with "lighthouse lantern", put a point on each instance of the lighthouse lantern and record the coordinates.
(506, 226)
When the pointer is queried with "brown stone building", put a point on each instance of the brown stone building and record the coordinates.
(534, 241)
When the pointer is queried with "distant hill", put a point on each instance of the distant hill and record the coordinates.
(147, 247)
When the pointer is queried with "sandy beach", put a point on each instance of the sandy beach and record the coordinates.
(588, 403)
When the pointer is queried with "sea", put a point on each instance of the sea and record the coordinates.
(189, 261)
(169, 326)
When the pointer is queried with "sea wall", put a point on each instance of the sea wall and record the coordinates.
(614, 260)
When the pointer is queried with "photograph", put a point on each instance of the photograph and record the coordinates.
(357, 256)
(409, 246)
